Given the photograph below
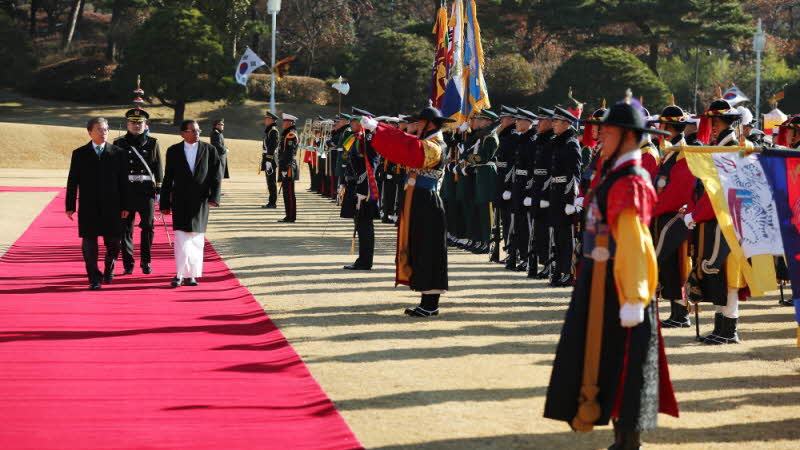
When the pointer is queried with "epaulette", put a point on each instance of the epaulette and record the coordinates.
(291, 135)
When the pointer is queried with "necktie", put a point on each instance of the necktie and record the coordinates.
(98, 149)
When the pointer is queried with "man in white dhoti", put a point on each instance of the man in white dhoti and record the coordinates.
(191, 184)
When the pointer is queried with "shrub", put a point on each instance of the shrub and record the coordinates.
(507, 77)
(292, 89)
(605, 72)
(74, 79)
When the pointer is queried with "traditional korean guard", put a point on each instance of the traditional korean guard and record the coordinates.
(610, 362)
(192, 179)
(421, 240)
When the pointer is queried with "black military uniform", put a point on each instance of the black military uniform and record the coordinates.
(288, 168)
(565, 176)
(508, 137)
(145, 173)
(363, 161)
(272, 139)
(519, 182)
(218, 141)
(543, 157)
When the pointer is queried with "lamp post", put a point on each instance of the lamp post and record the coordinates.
(759, 43)
(273, 7)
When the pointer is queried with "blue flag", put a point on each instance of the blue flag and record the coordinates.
(782, 169)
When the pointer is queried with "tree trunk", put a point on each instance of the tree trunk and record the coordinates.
(34, 7)
(111, 46)
(234, 42)
(73, 20)
(652, 58)
(80, 14)
(180, 110)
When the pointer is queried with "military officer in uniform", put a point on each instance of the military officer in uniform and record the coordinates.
(516, 190)
(565, 176)
(340, 126)
(218, 141)
(288, 167)
(542, 160)
(269, 165)
(481, 170)
(145, 173)
(507, 140)
(364, 160)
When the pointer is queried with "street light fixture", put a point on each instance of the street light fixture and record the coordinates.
(273, 7)
(759, 43)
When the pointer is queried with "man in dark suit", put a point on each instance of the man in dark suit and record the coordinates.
(99, 172)
(218, 141)
(191, 184)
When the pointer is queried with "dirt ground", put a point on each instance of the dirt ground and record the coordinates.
(476, 376)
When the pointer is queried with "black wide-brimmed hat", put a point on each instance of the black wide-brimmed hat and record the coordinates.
(431, 114)
(137, 115)
(672, 114)
(599, 112)
(793, 122)
(721, 108)
(625, 115)
(524, 114)
(560, 113)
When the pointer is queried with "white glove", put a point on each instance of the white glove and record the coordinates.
(284, 174)
(579, 203)
(507, 195)
(464, 171)
(360, 197)
(158, 199)
(368, 123)
(528, 201)
(689, 221)
(544, 204)
(569, 210)
(388, 176)
(463, 127)
(631, 314)
(268, 166)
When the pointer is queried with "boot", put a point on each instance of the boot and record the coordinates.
(522, 267)
(678, 318)
(511, 260)
(630, 440)
(544, 273)
(727, 334)
(717, 329)
(533, 265)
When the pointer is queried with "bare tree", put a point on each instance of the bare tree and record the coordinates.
(69, 32)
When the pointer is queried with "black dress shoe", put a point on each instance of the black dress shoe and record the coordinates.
(357, 267)
(94, 286)
(128, 270)
(419, 312)
(146, 269)
(190, 282)
(270, 206)
(107, 279)
(286, 221)
(176, 282)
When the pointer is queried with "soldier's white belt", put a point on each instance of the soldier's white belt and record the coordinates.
(521, 172)
(140, 178)
(501, 164)
(540, 171)
(559, 179)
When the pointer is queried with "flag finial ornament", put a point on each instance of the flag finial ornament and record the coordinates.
(628, 96)
(671, 99)
(603, 105)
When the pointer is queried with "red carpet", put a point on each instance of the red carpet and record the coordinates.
(140, 365)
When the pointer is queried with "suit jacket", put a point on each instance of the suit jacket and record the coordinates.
(102, 184)
(187, 194)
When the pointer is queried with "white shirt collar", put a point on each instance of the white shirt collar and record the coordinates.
(630, 156)
(188, 146)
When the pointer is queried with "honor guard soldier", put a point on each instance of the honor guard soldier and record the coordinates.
(342, 124)
(610, 363)
(389, 185)
(674, 184)
(504, 158)
(716, 276)
(790, 132)
(288, 166)
(538, 192)
(364, 160)
(481, 171)
(517, 190)
(565, 174)
(218, 141)
(144, 182)
(269, 164)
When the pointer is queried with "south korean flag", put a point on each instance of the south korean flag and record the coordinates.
(249, 62)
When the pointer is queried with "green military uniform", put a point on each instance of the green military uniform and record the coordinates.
(482, 172)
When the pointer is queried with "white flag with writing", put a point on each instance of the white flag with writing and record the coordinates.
(249, 62)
